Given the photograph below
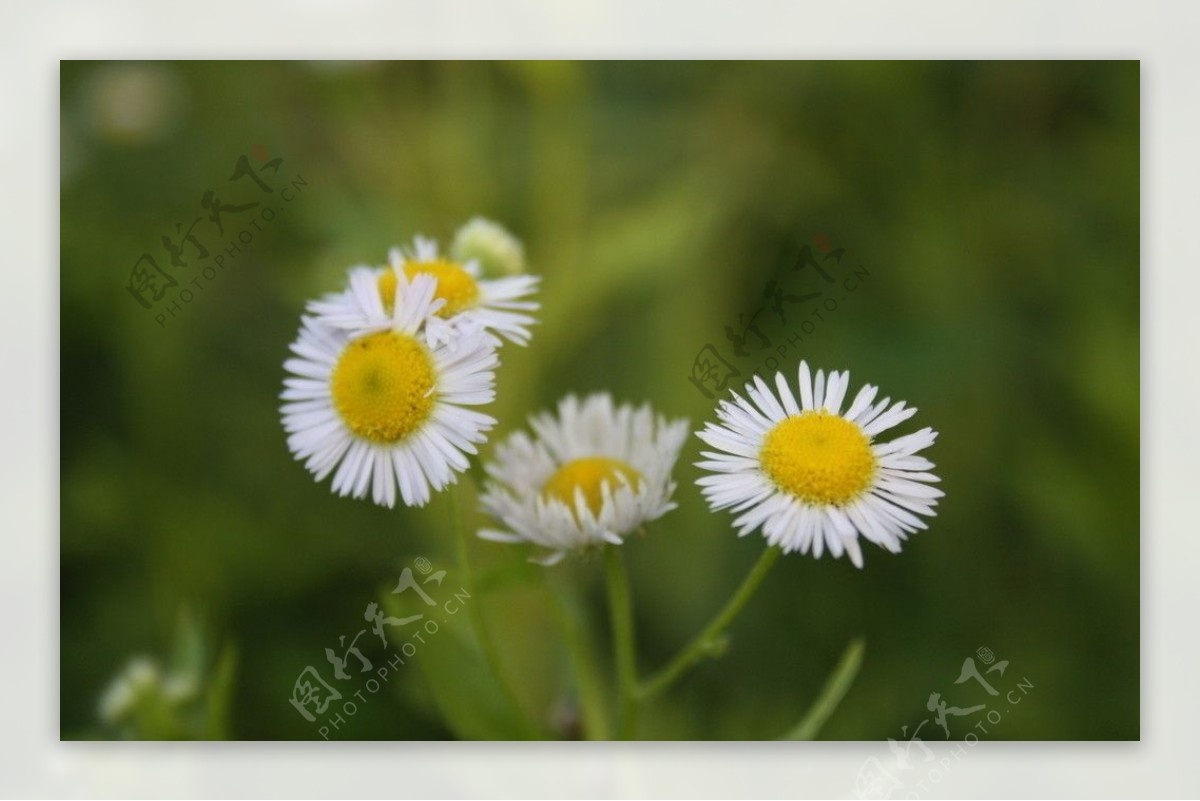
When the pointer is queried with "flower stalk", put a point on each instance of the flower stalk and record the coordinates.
(709, 642)
(621, 612)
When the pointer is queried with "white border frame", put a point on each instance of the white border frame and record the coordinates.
(1161, 34)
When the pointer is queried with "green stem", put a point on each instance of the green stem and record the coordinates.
(478, 625)
(835, 688)
(566, 610)
(708, 642)
(621, 612)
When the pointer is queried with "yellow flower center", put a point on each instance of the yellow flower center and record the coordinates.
(382, 386)
(454, 285)
(589, 474)
(819, 457)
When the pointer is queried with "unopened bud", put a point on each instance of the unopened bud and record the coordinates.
(498, 252)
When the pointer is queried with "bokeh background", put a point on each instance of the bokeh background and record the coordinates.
(994, 206)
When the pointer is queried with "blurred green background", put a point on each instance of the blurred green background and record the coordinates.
(995, 206)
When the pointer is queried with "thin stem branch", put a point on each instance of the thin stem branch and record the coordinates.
(708, 641)
(475, 615)
(621, 613)
(832, 693)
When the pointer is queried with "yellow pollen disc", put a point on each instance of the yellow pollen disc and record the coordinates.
(454, 285)
(382, 386)
(819, 457)
(588, 474)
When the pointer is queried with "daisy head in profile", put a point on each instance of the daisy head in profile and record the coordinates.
(813, 478)
(500, 305)
(588, 476)
(387, 407)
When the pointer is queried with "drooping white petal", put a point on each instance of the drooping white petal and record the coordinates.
(587, 428)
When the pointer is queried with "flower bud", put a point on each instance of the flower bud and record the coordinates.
(498, 252)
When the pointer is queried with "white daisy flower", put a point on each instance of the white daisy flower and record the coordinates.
(592, 475)
(813, 478)
(385, 407)
(497, 305)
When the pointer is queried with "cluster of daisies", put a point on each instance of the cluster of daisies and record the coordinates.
(388, 376)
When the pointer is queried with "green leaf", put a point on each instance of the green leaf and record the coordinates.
(219, 700)
(189, 656)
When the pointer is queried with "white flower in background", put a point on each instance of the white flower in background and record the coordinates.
(141, 680)
(497, 251)
(140, 676)
(386, 408)
(813, 478)
(498, 305)
(134, 103)
(592, 475)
